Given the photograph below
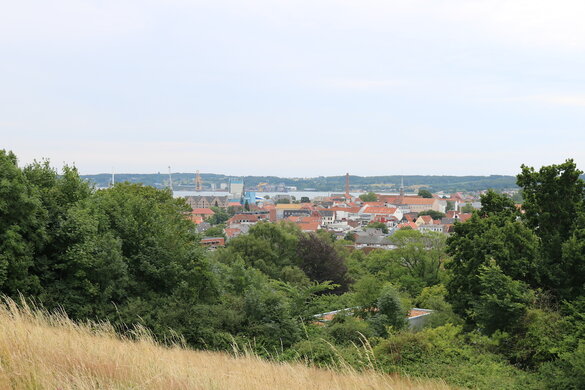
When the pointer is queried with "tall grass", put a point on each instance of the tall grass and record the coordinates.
(39, 350)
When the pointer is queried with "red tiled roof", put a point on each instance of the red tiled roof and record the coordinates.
(427, 219)
(452, 213)
(398, 200)
(231, 232)
(244, 217)
(375, 204)
(392, 199)
(203, 211)
(464, 216)
(417, 200)
(417, 312)
(413, 225)
(352, 210)
(197, 219)
(303, 219)
(384, 218)
(308, 226)
(380, 210)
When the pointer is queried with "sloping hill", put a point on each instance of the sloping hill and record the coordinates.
(39, 351)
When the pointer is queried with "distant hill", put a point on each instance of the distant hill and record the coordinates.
(186, 181)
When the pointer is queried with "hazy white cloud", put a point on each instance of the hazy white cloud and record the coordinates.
(61, 22)
(547, 99)
(364, 84)
(295, 87)
(561, 100)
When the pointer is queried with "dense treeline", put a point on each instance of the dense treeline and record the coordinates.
(507, 287)
(185, 181)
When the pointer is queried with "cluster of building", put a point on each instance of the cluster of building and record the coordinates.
(342, 215)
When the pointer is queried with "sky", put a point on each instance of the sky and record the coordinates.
(298, 88)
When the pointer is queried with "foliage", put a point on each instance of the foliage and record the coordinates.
(215, 231)
(494, 233)
(444, 353)
(128, 255)
(433, 298)
(23, 224)
(345, 330)
(220, 215)
(379, 225)
(553, 207)
(434, 214)
(268, 247)
(421, 253)
(467, 208)
(369, 197)
(350, 236)
(321, 262)
(425, 193)
(390, 308)
(503, 301)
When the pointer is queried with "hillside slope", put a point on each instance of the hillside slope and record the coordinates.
(38, 351)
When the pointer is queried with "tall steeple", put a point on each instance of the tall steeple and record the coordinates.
(402, 186)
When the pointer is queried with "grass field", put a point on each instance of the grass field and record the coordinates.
(41, 351)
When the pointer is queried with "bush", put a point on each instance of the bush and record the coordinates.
(347, 330)
(568, 372)
(443, 353)
(389, 305)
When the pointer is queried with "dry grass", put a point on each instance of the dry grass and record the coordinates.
(40, 351)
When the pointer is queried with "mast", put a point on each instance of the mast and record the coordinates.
(198, 182)
(170, 179)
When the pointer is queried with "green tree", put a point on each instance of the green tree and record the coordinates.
(369, 197)
(553, 207)
(321, 262)
(422, 254)
(467, 208)
(425, 193)
(390, 309)
(350, 236)
(220, 215)
(169, 278)
(379, 225)
(22, 228)
(268, 247)
(494, 233)
(215, 231)
(434, 214)
(503, 301)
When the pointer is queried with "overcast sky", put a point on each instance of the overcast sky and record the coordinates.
(294, 88)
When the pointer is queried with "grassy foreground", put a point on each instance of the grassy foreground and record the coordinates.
(41, 351)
